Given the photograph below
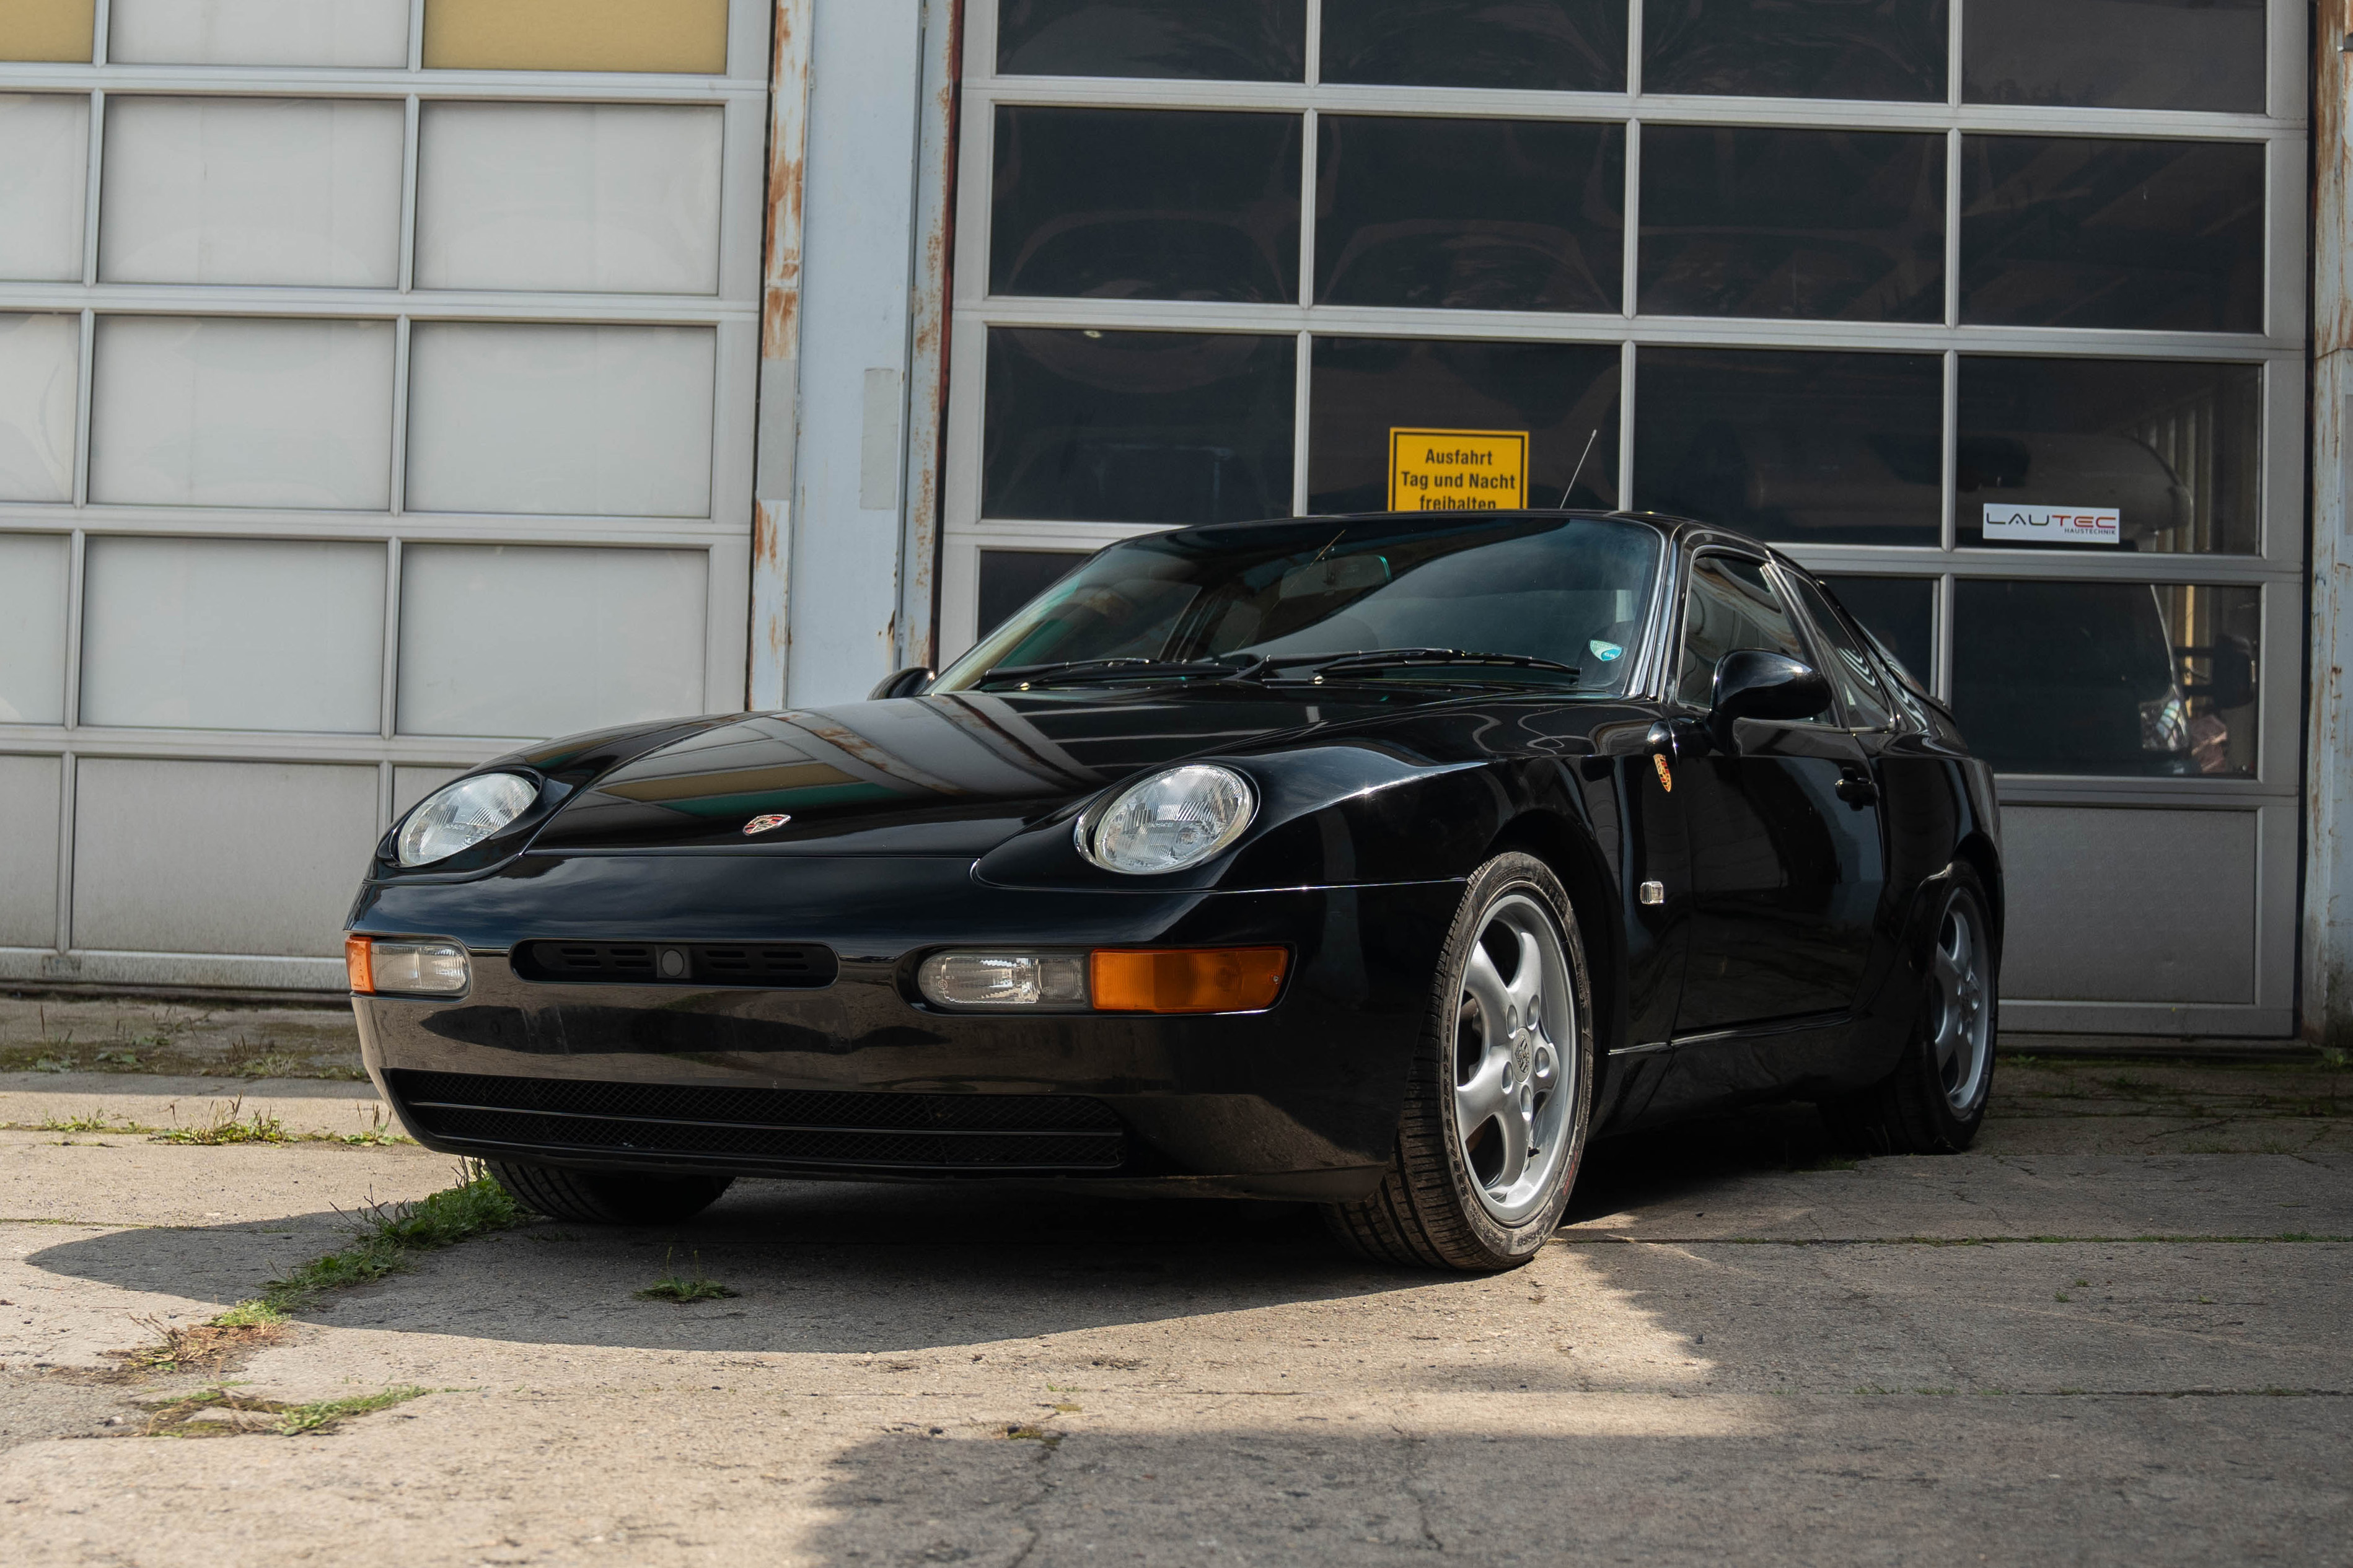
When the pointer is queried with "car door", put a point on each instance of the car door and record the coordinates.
(1783, 820)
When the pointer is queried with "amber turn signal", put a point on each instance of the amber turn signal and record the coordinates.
(1187, 979)
(356, 966)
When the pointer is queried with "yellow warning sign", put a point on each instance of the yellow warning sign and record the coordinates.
(1458, 470)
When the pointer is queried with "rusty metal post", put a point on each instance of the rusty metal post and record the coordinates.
(917, 622)
(780, 351)
(2327, 967)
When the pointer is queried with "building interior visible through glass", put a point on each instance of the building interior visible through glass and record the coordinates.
(2058, 677)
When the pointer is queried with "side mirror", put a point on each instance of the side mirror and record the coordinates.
(2233, 664)
(1753, 684)
(901, 683)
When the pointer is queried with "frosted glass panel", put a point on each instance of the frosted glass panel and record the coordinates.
(249, 190)
(608, 420)
(199, 411)
(260, 857)
(233, 634)
(259, 32)
(42, 179)
(34, 568)
(47, 29)
(616, 197)
(28, 850)
(547, 640)
(576, 35)
(40, 372)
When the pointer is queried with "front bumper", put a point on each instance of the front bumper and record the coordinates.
(860, 1078)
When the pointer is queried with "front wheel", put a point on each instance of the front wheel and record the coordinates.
(1934, 1102)
(608, 1197)
(1499, 1098)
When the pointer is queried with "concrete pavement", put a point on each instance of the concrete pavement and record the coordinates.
(2085, 1343)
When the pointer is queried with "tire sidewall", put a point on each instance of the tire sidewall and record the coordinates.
(1509, 1245)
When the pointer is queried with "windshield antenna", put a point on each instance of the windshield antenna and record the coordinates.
(1580, 467)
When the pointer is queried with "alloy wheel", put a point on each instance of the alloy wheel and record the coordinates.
(1960, 1015)
(1514, 1086)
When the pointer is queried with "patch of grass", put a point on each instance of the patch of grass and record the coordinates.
(209, 1347)
(390, 1235)
(95, 1121)
(219, 1412)
(1026, 1433)
(225, 1128)
(262, 1128)
(681, 1288)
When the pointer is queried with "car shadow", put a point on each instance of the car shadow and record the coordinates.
(861, 1268)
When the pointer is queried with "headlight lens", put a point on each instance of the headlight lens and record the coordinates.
(462, 815)
(1171, 820)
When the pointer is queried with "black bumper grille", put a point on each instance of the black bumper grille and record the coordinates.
(749, 1127)
(785, 964)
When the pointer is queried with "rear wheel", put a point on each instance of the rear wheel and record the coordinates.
(608, 1197)
(1934, 1102)
(1498, 1100)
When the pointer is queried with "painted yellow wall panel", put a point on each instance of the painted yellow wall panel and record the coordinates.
(45, 29)
(688, 36)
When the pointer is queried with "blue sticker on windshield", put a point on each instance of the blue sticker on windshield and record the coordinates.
(1604, 651)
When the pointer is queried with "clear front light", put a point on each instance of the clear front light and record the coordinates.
(416, 968)
(1005, 979)
(462, 815)
(1171, 820)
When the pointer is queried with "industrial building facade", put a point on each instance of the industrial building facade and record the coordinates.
(382, 382)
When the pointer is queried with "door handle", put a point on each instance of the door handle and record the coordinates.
(1855, 787)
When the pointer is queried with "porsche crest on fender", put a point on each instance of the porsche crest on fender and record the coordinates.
(762, 824)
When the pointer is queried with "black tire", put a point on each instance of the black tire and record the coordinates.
(608, 1197)
(1431, 1209)
(1934, 1103)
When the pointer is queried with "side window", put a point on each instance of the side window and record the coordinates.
(1729, 605)
(1850, 664)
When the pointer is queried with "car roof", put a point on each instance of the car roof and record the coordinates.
(1684, 530)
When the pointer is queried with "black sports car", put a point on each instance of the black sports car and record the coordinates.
(1378, 862)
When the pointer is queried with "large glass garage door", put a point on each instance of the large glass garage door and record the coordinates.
(375, 389)
(1990, 310)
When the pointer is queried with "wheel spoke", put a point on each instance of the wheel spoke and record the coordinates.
(1948, 974)
(1486, 987)
(1527, 980)
(1484, 1096)
(1514, 1125)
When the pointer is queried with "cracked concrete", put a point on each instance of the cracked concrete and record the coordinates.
(2082, 1345)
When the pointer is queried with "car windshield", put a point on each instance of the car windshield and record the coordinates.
(1541, 601)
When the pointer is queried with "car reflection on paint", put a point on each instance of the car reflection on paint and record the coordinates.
(1378, 862)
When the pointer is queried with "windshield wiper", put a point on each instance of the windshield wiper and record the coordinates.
(1408, 658)
(1128, 667)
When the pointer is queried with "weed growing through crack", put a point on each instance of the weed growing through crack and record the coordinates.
(389, 1234)
(226, 1127)
(219, 1412)
(674, 1287)
(95, 1121)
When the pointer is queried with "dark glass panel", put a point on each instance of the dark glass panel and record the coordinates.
(2174, 447)
(1557, 46)
(1146, 204)
(1797, 48)
(1793, 445)
(2108, 677)
(2083, 232)
(1565, 396)
(1478, 215)
(1226, 40)
(1901, 611)
(1011, 578)
(2116, 54)
(1829, 225)
(1137, 426)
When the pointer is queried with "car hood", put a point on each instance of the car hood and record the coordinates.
(956, 773)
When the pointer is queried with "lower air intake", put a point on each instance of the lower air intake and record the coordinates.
(743, 1128)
